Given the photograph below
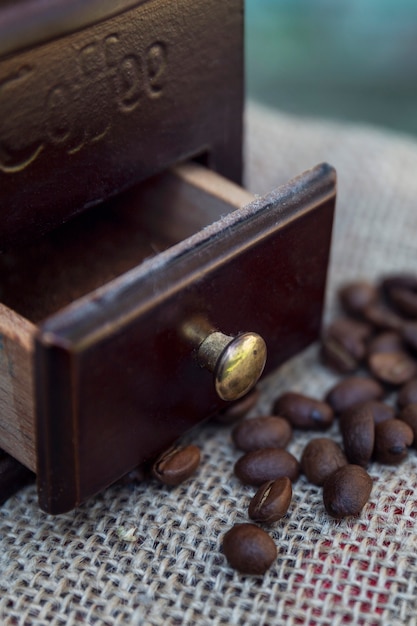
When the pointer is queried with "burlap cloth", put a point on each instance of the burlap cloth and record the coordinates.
(78, 569)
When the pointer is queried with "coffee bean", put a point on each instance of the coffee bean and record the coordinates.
(407, 394)
(392, 368)
(303, 412)
(392, 439)
(380, 410)
(271, 501)
(262, 432)
(358, 431)
(259, 466)
(249, 549)
(176, 465)
(409, 416)
(357, 295)
(343, 344)
(382, 317)
(395, 281)
(405, 300)
(347, 491)
(353, 390)
(409, 333)
(389, 341)
(321, 458)
(237, 410)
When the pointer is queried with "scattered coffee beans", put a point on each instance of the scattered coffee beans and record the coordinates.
(176, 465)
(259, 466)
(380, 335)
(321, 458)
(392, 440)
(249, 549)
(358, 431)
(352, 391)
(303, 412)
(262, 432)
(271, 501)
(346, 491)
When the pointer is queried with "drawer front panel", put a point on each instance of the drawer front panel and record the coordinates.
(117, 380)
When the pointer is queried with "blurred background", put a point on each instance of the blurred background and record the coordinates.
(335, 59)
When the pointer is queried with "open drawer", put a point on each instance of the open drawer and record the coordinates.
(99, 369)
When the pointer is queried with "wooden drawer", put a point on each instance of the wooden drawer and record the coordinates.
(98, 372)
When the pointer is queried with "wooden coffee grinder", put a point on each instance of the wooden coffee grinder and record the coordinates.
(141, 288)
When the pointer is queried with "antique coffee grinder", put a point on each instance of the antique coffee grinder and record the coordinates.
(141, 288)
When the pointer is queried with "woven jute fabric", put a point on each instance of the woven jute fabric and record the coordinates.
(150, 554)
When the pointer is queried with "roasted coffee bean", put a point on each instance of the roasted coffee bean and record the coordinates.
(389, 341)
(321, 458)
(358, 431)
(395, 281)
(382, 317)
(409, 333)
(407, 394)
(303, 412)
(176, 465)
(260, 466)
(272, 500)
(334, 355)
(343, 344)
(249, 549)
(380, 410)
(405, 301)
(353, 390)
(409, 416)
(262, 432)
(237, 410)
(392, 440)
(392, 368)
(357, 295)
(347, 491)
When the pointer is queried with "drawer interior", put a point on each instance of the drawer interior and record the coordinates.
(39, 279)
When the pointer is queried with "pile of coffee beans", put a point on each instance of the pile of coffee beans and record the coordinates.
(374, 346)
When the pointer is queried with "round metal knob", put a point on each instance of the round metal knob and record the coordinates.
(236, 362)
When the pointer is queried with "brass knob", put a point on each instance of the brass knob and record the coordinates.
(236, 362)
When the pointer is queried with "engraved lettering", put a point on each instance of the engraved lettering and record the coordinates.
(58, 123)
(111, 50)
(104, 79)
(129, 83)
(18, 149)
(91, 59)
(95, 90)
(155, 60)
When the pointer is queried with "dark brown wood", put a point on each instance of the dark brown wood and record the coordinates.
(116, 381)
(13, 476)
(87, 114)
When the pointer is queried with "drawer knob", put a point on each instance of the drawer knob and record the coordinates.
(236, 362)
